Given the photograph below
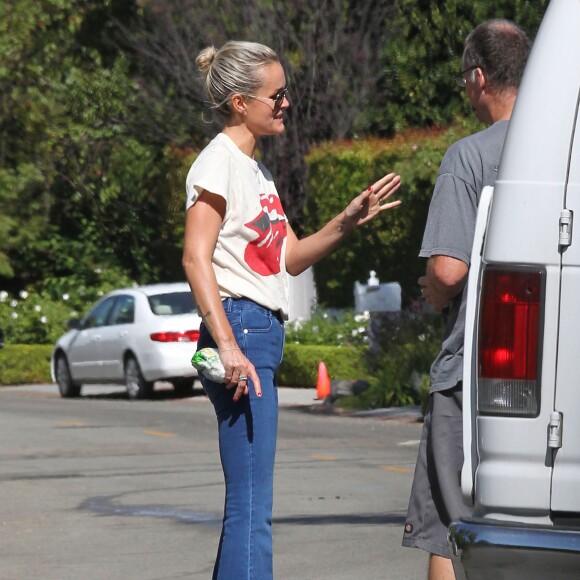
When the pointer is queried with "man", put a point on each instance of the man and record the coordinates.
(493, 62)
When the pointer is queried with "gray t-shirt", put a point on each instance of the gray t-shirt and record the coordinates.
(467, 167)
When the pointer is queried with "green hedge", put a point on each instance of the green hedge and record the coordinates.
(390, 243)
(25, 363)
(300, 364)
(30, 364)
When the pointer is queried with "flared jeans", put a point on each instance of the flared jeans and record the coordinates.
(247, 442)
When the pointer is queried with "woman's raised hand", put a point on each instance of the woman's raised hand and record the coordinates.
(373, 200)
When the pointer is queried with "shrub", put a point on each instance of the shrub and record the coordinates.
(22, 364)
(300, 364)
(404, 347)
(41, 316)
(330, 327)
(33, 318)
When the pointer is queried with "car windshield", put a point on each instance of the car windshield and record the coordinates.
(172, 303)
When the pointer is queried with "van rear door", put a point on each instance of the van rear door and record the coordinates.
(509, 471)
(566, 423)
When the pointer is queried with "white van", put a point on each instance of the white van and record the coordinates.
(522, 341)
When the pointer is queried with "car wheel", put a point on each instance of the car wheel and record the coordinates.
(183, 386)
(66, 386)
(137, 386)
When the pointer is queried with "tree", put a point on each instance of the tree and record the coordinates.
(329, 50)
(100, 105)
(72, 177)
(426, 53)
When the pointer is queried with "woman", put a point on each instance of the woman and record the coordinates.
(238, 250)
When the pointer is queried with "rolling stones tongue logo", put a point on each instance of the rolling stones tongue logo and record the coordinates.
(263, 254)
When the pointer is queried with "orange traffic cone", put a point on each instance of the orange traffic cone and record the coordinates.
(323, 382)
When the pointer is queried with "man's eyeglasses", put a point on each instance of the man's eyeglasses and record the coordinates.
(461, 80)
(278, 99)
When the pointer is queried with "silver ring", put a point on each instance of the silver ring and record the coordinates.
(242, 378)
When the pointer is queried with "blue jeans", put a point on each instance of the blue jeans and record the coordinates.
(247, 441)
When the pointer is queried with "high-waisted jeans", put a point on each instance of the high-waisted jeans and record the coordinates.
(247, 441)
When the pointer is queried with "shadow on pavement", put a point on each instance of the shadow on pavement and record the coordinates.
(157, 395)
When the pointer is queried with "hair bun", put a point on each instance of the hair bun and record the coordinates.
(205, 59)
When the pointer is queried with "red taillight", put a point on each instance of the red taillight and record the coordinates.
(172, 336)
(509, 340)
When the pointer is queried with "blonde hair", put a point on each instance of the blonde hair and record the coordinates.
(234, 68)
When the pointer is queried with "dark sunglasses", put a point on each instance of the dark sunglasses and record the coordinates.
(278, 99)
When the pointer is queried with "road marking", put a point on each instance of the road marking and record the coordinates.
(411, 443)
(324, 457)
(396, 469)
(158, 433)
(70, 423)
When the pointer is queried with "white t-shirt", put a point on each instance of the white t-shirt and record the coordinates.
(249, 257)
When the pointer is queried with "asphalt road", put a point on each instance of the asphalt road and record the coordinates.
(105, 488)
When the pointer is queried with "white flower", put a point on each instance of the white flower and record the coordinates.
(325, 315)
(14, 315)
(100, 293)
(361, 329)
(421, 337)
(340, 336)
(24, 294)
(13, 303)
(37, 308)
(354, 332)
(3, 296)
(65, 297)
(98, 270)
(43, 319)
(363, 317)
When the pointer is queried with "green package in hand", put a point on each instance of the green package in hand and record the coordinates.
(207, 361)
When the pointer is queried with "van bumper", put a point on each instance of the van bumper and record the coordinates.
(482, 549)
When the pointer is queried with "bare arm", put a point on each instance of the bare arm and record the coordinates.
(444, 279)
(202, 225)
(301, 254)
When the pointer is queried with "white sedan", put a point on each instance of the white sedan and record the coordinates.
(132, 336)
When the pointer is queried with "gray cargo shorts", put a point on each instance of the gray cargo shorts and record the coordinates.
(436, 493)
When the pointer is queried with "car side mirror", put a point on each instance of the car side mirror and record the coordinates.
(74, 324)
